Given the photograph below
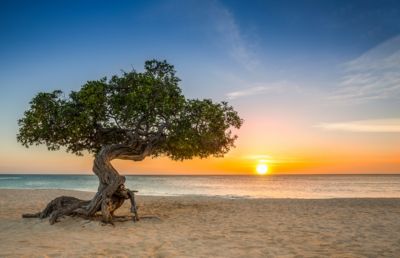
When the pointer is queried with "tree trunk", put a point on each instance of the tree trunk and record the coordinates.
(111, 192)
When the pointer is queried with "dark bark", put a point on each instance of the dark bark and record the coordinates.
(111, 192)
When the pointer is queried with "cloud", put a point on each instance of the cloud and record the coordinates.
(237, 46)
(249, 92)
(365, 126)
(375, 75)
(257, 89)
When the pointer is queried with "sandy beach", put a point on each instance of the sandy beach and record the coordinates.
(193, 226)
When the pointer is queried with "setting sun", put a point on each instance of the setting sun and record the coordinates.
(262, 169)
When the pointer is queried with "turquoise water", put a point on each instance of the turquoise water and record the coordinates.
(276, 186)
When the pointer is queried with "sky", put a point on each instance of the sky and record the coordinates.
(316, 82)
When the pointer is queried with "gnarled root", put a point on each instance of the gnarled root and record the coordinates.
(111, 192)
(71, 206)
(58, 204)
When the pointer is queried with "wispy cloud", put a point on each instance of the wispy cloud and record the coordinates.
(257, 89)
(250, 92)
(233, 38)
(374, 75)
(366, 126)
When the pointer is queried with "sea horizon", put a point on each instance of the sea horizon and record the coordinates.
(316, 186)
(212, 174)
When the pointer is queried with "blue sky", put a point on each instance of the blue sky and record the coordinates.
(322, 66)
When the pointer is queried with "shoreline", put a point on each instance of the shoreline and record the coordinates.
(228, 197)
(201, 226)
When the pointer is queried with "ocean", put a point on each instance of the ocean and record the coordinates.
(272, 186)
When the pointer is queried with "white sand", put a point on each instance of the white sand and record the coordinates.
(206, 227)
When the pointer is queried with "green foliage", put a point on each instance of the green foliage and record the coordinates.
(136, 109)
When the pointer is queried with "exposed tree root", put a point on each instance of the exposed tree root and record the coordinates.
(58, 205)
(110, 195)
(71, 206)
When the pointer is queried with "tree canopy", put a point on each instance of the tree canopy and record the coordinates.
(143, 110)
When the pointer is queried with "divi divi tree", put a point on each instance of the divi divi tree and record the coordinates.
(131, 117)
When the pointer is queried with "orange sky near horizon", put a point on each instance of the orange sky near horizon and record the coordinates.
(286, 149)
